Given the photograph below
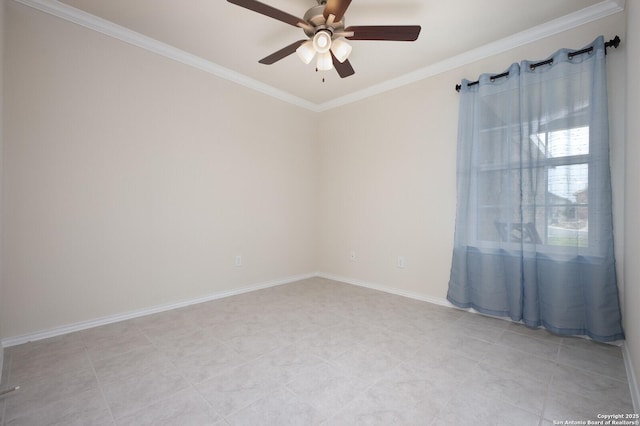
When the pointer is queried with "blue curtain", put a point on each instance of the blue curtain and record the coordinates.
(534, 234)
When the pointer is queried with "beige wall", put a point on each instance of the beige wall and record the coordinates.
(388, 187)
(632, 211)
(388, 172)
(132, 180)
(2, 27)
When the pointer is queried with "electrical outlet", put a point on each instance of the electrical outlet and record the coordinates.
(400, 262)
(238, 260)
(352, 255)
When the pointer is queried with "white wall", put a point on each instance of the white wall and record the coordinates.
(632, 201)
(132, 180)
(388, 172)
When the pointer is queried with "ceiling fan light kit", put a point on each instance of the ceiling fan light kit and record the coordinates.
(324, 26)
(322, 41)
(306, 52)
(341, 49)
(325, 61)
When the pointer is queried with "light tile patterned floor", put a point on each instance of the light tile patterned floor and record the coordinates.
(313, 352)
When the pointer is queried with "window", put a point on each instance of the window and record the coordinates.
(533, 238)
(565, 214)
(555, 195)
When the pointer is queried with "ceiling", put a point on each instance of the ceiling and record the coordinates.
(229, 40)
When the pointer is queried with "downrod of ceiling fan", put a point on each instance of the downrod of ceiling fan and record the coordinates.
(324, 28)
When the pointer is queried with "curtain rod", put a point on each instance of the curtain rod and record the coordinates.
(614, 42)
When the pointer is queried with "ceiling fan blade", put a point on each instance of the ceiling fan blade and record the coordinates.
(272, 12)
(384, 32)
(282, 53)
(344, 68)
(336, 8)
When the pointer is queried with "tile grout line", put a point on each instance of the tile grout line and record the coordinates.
(6, 365)
(295, 368)
(95, 374)
(207, 403)
(546, 398)
(100, 385)
(178, 371)
(595, 373)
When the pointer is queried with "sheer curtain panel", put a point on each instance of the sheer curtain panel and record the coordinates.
(534, 235)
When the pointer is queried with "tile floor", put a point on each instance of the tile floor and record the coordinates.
(312, 352)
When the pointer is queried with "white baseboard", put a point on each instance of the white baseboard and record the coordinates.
(631, 377)
(83, 325)
(392, 290)
(57, 331)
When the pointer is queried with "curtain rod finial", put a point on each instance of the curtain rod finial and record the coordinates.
(615, 42)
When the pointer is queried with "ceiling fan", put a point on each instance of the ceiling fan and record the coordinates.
(324, 26)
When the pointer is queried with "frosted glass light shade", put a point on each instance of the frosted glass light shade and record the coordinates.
(325, 62)
(306, 51)
(322, 41)
(341, 49)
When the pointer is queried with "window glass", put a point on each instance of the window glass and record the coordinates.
(553, 191)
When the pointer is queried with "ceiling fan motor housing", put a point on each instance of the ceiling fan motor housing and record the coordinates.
(315, 17)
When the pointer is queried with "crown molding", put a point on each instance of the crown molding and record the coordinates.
(589, 14)
(556, 26)
(108, 28)
(620, 3)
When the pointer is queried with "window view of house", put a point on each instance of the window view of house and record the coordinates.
(554, 190)
(566, 211)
